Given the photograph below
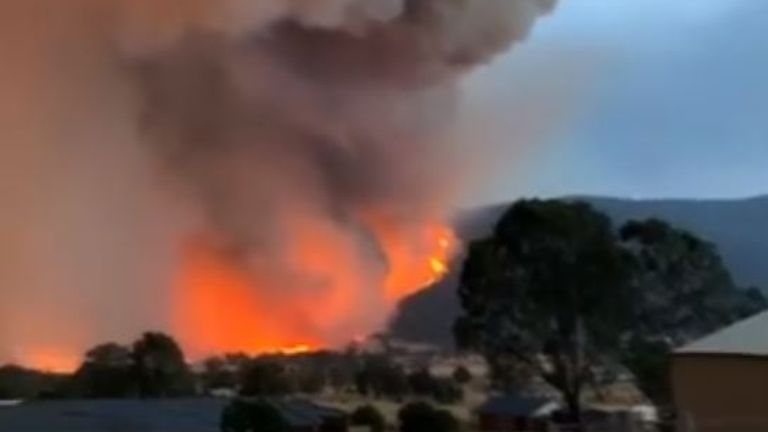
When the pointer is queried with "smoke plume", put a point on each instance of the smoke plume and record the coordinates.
(248, 174)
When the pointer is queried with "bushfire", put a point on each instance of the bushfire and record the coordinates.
(220, 307)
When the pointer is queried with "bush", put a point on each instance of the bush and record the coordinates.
(445, 391)
(462, 375)
(381, 378)
(241, 416)
(422, 382)
(263, 378)
(422, 417)
(368, 415)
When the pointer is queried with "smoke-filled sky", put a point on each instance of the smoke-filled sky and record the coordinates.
(248, 175)
(672, 100)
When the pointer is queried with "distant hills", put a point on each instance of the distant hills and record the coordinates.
(738, 227)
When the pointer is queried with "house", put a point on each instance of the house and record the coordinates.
(516, 413)
(720, 383)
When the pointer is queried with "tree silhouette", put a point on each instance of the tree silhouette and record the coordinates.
(106, 372)
(547, 293)
(160, 368)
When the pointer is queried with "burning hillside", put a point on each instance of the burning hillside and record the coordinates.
(302, 145)
(320, 299)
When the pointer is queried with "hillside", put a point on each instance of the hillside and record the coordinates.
(738, 227)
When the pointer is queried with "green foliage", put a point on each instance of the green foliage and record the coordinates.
(370, 416)
(421, 417)
(252, 416)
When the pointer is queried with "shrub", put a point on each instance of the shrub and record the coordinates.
(368, 415)
(422, 417)
(241, 416)
(462, 375)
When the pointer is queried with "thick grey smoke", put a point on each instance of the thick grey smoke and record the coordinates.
(127, 125)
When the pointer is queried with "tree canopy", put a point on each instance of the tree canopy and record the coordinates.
(550, 281)
(107, 372)
(421, 417)
(556, 291)
(369, 416)
(160, 368)
(683, 291)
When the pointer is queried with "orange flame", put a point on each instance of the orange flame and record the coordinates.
(221, 307)
(217, 309)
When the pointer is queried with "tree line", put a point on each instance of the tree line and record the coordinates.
(154, 366)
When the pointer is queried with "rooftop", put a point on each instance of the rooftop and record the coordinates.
(151, 415)
(187, 415)
(747, 337)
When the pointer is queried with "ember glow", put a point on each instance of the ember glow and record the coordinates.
(51, 359)
(219, 307)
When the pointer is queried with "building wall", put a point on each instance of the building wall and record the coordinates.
(721, 393)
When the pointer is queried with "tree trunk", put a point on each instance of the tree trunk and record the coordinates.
(573, 407)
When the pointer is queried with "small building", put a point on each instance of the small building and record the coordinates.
(516, 413)
(720, 383)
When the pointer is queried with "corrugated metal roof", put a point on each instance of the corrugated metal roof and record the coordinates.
(748, 337)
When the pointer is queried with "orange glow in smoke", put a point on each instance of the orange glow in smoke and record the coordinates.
(219, 307)
(51, 360)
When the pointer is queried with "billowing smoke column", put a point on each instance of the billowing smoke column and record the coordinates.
(282, 165)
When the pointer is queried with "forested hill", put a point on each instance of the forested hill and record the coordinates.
(738, 227)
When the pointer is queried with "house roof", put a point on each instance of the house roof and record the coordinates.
(188, 415)
(747, 337)
(299, 413)
(518, 406)
(132, 415)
